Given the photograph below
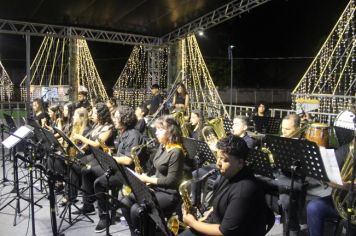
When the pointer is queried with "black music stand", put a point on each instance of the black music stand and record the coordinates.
(267, 125)
(228, 125)
(299, 157)
(140, 190)
(68, 207)
(199, 150)
(260, 163)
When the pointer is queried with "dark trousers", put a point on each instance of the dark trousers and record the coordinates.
(167, 202)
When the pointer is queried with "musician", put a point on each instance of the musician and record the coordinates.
(95, 180)
(38, 112)
(141, 112)
(239, 206)
(261, 110)
(156, 99)
(290, 126)
(320, 209)
(83, 100)
(196, 121)
(68, 111)
(168, 163)
(240, 127)
(181, 99)
(55, 117)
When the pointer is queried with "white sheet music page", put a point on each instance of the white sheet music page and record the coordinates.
(12, 140)
(331, 166)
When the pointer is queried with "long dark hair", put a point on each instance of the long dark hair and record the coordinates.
(70, 106)
(184, 92)
(128, 118)
(174, 132)
(103, 113)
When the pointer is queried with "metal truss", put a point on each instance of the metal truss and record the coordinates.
(35, 29)
(221, 14)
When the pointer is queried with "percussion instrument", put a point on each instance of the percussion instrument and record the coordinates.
(318, 133)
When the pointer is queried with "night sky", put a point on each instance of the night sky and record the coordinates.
(275, 43)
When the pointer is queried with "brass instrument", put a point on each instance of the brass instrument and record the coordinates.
(341, 196)
(135, 158)
(179, 117)
(270, 155)
(103, 146)
(218, 126)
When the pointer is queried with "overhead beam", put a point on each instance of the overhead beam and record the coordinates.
(221, 14)
(36, 29)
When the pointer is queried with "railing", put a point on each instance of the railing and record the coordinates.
(18, 110)
(236, 110)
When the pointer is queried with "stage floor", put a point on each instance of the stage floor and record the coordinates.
(42, 215)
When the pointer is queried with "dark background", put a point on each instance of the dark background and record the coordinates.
(275, 43)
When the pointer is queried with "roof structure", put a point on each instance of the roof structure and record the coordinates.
(145, 22)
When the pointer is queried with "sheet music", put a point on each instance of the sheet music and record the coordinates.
(12, 140)
(331, 166)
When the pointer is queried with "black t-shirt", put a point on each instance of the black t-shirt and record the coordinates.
(239, 206)
(155, 102)
(141, 126)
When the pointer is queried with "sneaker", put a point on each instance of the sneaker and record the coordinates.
(101, 226)
(85, 210)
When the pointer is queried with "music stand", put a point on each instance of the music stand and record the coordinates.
(297, 156)
(140, 190)
(199, 150)
(228, 125)
(267, 125)
(10, 122)
(260, 163)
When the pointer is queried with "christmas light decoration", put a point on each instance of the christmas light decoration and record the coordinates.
(50, 71)
(331, 77)
(6, 85)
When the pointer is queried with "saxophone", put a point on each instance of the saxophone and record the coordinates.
(103, 146)
(174, 224)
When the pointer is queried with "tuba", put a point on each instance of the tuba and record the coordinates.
(179, 117)
(341, 196)
(217, 125)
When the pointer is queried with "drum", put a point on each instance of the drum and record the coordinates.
(318, 133)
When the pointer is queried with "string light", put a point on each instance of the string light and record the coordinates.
(50, 69)
(6, 85)
(331, 77)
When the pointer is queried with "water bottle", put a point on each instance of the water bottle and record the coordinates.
(123, 221)
(277, 220)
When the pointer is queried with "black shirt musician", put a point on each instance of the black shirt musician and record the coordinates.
(239, 206)
(168, 163)
(39, 113)
(125, 121)
(156, 99)
(141, 112)
(83, 100)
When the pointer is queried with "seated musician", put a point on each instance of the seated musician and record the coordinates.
(196, 121)
(141, 112)
(39, 113)
(94, 179)
(68, 112)
(168, 163)
(83, 99)
(320, 209)
(112, 105)
(239, 206)
(55, 117)
(290, 128)
(181, 99)
(240, 127)
(261, 110)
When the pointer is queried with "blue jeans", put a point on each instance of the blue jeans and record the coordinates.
(317, 211)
